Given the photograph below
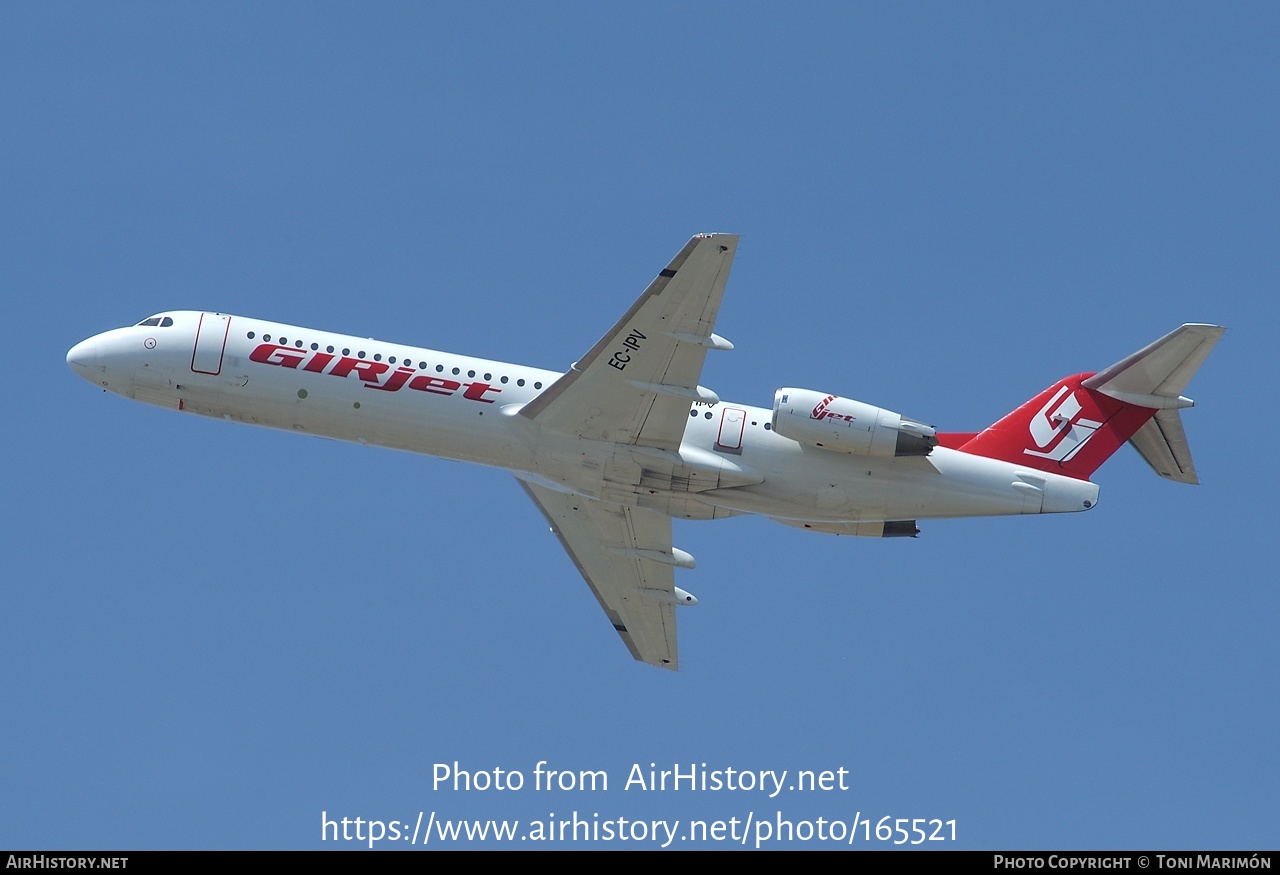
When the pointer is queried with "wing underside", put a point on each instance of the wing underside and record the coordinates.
(636, 384)
(634, 387)
(624, 554)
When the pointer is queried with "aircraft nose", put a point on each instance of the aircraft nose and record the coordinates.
(83, 357)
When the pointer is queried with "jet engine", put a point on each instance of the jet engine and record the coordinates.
(848, 426)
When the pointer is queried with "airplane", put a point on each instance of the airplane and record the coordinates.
(627, 440)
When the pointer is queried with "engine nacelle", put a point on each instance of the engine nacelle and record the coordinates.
(848, 426)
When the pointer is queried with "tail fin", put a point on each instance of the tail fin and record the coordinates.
(1075, 425)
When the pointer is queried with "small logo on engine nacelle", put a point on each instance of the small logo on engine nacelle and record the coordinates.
(820, 412)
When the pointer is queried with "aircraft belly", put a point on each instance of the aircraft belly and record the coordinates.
(818, 485)
(847, 487)
(343, 412)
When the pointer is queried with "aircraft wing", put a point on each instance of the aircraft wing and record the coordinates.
(636, 384)
(624, 554)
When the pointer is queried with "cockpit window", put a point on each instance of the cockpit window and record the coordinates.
(153, 321)
(166, 322)
(157, 322)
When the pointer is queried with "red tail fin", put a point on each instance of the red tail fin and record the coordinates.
(1075, 425)
(1067, 429)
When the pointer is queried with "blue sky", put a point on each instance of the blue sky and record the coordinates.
(213, 633)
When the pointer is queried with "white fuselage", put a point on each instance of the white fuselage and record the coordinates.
(440, 404)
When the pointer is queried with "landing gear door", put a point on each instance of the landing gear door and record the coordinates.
(732, 421)
(211, 340)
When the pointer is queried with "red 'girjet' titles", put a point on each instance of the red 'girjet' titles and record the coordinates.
(370, 373)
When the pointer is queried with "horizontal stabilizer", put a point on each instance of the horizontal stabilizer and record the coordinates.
(1156, 375)
(1163, 443)
(1074, 426)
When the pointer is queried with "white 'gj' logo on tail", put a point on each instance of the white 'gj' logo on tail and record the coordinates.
(1059, 430)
